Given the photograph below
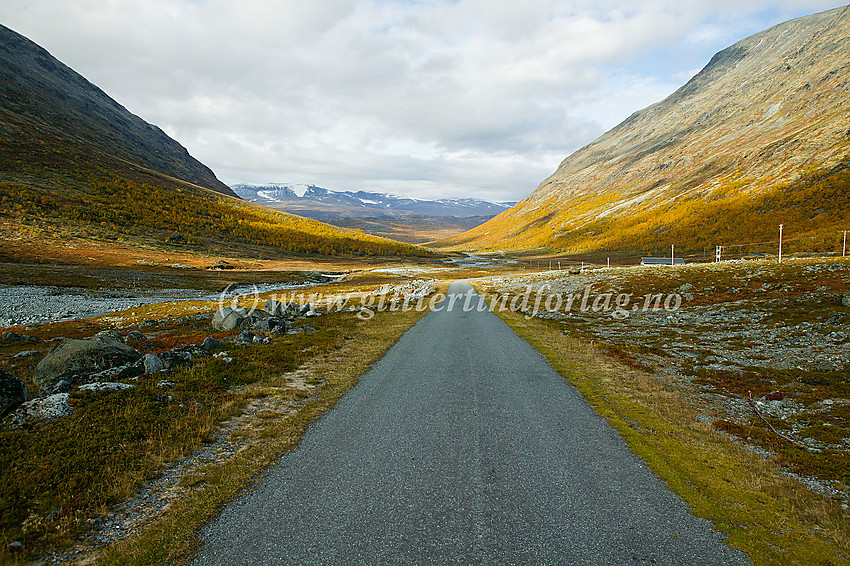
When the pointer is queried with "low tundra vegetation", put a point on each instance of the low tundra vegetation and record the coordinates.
(58, 475)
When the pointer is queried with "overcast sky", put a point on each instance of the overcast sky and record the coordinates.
(463, 98)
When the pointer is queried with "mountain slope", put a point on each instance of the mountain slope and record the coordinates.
(76, 164)
(44, 102)
(760, 136)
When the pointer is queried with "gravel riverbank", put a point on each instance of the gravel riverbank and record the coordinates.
(37, 304)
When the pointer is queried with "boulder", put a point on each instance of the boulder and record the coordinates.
(136, 336)
(73, 361)
(44, 408)
(210, 344)
(108, 336)
(275, 308)
(228, 318)
(244, 338)
(9, 336)
(153, 363)
(845, 301)
(13, 393)
(182, 356)
(261, 326)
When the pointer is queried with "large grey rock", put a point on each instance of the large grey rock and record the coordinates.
(13, 392)
(845, 301)
(73, 361)
(254, 316)
(182, 356)
(228, 318)
(44, 408)
(153, 363)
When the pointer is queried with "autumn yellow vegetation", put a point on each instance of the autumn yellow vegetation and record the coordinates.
(187, 215)
(815, 208)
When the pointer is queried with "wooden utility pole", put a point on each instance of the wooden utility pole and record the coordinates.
(780, 243)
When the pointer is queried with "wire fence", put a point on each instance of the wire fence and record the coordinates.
(817, 245)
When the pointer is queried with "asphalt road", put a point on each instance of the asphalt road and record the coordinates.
(462, 446)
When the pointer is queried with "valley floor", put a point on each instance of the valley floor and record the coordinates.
(759, 353)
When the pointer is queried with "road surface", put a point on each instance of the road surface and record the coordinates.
(461, 446)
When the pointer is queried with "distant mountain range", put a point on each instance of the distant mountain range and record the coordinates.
(325, 204)
(760, 137)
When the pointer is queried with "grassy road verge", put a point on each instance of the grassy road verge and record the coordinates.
(768, 516)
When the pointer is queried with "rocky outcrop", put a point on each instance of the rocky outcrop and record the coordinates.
(72, 361)
(9, 336)
(108, 336)
(275, 308)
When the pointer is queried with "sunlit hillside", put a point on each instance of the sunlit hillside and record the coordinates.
(760, 137)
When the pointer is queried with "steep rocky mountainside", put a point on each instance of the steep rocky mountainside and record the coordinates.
(49, 112)
(760, 136)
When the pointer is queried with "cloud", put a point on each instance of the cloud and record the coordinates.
(423, 98)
